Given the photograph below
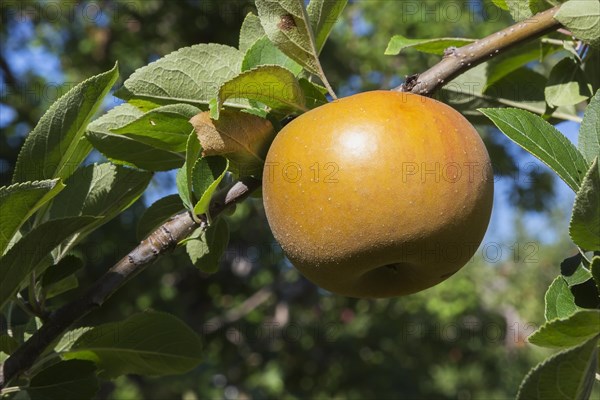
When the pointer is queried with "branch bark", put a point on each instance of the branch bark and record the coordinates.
(181, 226)
(458, 60)
(158, 243)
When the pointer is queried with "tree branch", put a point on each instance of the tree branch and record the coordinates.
(455, 62)
(458, 60)
(161, 241)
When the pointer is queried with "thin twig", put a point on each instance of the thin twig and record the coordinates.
(458, 60)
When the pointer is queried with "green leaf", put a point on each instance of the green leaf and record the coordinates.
(573, 271)
(286, 24)
(18, 202)
(584, 228)
(568, 332)
(569, 373)
(431, 46)
(69, 338)
(66, 380)
(185, 194)
(8, 345)
(206, 248)
(559, 300)
(501, 4)
(165, 127)
(543, 141)
(582, 18)
(61, 270)
(99, 190)
(60, 277)
(27, 253)
(272, 85)
(264, 52)
(499, 67)
(155, 215)
(519, 9)
(56, 145)
(243, 138)
(567, 84)
(323, 15)
(62, 286)
(207, 173)
(591, 67)
(149, 343)
(184, 175)
(595, 268)
(313, 93)
(121, 149)
(250, 32)
(190, 75)
(589, 132)
(470, 91)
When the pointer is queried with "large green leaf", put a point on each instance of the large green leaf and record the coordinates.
(272, 85)
(149, 343)
(568, 332)
(543, 141)
(286, 24)
(569, 374)
(27, 253)
(66, 380)
(323, 15)
(190, 75)
(165, 127)
(567, 84)
(560, 302)
(206, 248)
(585, 221)
(18, 202)
(582, 18)
(56, 145)
(432, 46)
(121, 149)
(157, 213)
(207, 173)
(99, 190)
(589, 132)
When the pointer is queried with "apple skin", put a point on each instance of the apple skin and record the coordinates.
(379, 194)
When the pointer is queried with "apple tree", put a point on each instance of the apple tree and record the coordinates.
(211, 111)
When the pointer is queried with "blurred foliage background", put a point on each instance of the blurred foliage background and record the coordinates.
(268, 333)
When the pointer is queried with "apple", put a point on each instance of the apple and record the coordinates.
(378, 194)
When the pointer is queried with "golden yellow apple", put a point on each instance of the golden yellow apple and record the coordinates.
(378, 194)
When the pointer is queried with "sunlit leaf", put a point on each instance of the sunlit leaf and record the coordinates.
(19, 201)
(432, 46)
(543, 141)
(56, 145)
